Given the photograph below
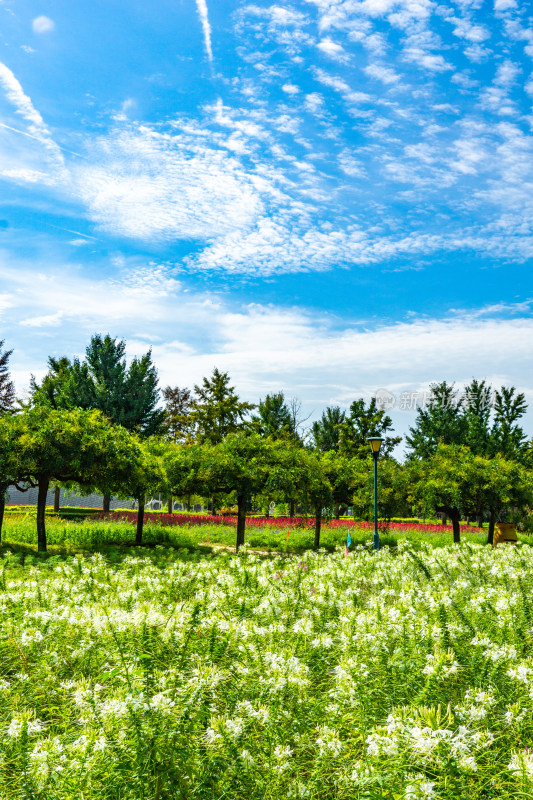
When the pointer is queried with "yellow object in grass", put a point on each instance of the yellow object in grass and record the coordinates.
(505, 532)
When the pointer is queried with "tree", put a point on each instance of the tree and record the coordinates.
(497, 483)
(73, 447)
(10, 465)
(364, 421)
(177, 426)
(238, 463)
(274, 418)
(507, 437)
(244, 463)
(443, 482)
(477, 407)
(393, 489)
(216, 410)
(326, 431)
(146, 476)
(442, 422)
(66, 385)
(7, 387)
(128, 396)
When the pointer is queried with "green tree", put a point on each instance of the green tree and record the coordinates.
(10, 464)
(177, 425)
(128, 396)
(146, 476)
(477, 407)
(216, 410)
(72, 447)
(7, 387)
(325, 432)
(441, 422)
(507, 436)
(442, 482)
(364, 421)
(393, 486)
(66, 385)
(274, 417)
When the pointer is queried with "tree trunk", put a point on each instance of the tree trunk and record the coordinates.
(44, 484)
(337, 511)
(455, 518)
(444, 518)
(291, 508)
(241, 519)
(140, 520)
(318, 521)
(106, 503)
(188, 502)
(2, 509)
(56, 498)
(480, 520)
(492, 523)
(169, 505)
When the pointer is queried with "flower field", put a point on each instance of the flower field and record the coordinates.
(275, 523)
(159, 675)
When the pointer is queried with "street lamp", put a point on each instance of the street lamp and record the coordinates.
(375, 446)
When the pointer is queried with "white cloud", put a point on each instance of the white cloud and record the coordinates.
(43, 25)
(314, 102)
(147, 185)
(264, 348)
(290, 88)
(45, 321)
(435, 63)
(201, 5)
(53, 168)
(382, 73)
(465, 29)
(332, 49)
(503, 5)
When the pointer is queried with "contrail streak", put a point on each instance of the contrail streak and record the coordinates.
(201, 5)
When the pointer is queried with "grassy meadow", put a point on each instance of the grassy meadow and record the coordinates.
(181, 670)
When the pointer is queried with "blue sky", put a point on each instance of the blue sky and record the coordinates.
(325, 196)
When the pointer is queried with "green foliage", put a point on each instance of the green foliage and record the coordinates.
(457, 482)
(442, 422)
(7, 387)
(274, 417)
(161, 675)
(216, 410)
(362, 422)
(393, 489)
(488, 427)
(177, 426)
(128, 396)
(326, 431)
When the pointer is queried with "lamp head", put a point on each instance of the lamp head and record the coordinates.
(375, 444)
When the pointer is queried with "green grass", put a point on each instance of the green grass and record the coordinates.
(160, 674)
(86, 534)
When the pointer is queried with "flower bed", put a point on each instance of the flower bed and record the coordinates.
(277, 522)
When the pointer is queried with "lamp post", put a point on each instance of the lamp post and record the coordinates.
(375, 445)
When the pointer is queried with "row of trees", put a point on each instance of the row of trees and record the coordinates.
(97, 424)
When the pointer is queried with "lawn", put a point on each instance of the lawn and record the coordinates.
(76, 534)
(164, 673)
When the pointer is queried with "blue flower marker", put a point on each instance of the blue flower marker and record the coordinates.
(349, 540)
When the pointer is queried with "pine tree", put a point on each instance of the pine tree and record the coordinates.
(442, 422)
(326, 431)
(216, 409)
(274, 418)
(7, 387)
